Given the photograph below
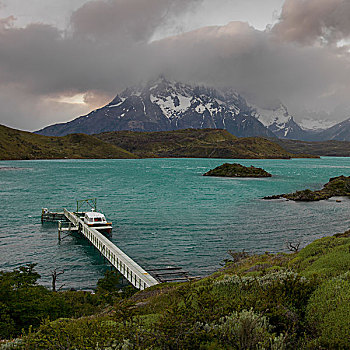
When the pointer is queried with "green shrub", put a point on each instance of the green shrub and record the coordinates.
(328, 313)
(326, 257)
(245, 330)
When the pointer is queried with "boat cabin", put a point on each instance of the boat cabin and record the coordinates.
(94, 218)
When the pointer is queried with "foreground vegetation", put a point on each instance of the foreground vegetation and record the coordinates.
(336, 187)
(237, 170)
(299, 300)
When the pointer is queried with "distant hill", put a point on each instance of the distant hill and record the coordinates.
(324, 148)
(16, 144)
(194, 143)
(188, 143)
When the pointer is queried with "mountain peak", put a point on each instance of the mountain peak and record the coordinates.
(162, 105)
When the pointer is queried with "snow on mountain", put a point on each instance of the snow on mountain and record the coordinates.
(339, 132)
(278, 117)
(167, 105)
(163, 105)
(280, 122)
(316, 125)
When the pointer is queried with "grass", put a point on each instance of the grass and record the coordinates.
(323, 148)
(16, 144)
(194, 143)
(189, 143)
(324, 258)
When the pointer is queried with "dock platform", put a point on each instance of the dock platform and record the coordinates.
(69, 222)
(133, 272)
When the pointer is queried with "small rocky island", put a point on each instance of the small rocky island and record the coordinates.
(337, 186)
(237, 170)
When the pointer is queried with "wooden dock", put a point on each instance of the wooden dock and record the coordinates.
(133, 272)
(71, 222)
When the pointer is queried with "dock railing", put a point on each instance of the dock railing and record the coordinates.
(134, 273)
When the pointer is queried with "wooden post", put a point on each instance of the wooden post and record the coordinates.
(59, 230)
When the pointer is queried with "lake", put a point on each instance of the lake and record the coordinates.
(164, 212)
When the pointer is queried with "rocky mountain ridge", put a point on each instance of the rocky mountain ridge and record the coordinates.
(163, 105)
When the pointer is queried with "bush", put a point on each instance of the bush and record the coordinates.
(24, 303)
(328, 313)
(326, 257)
(246, 330)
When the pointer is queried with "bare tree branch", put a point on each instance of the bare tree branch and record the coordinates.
(293, 247)
(54, 275)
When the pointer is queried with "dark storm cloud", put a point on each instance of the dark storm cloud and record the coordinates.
(255, 64)
(307, 21)
(92, 57)
(121, 20)
(108, 48)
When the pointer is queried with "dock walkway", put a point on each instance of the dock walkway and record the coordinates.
(134, 273)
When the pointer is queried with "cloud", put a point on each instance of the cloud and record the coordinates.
(105, 49)
(25, 111)
(120, 20)
(308, 21)
(256, 65)
(102, 51)
(108, 47)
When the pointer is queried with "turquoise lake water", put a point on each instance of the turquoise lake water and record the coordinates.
(163, 211)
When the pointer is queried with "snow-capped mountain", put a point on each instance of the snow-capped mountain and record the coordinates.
(339, 132)
(280, 122)
(316, 124)
(163, 105)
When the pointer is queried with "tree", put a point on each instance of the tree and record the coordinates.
(54, 275)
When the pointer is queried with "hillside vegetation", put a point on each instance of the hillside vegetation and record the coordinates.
(324, 148)
(271, 301)
(189, 143)
(16, 144)
(194, 143)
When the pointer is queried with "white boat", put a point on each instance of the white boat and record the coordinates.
(98, 221)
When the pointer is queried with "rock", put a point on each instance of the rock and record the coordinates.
(337, 186)
(278, 196)
(237, 170)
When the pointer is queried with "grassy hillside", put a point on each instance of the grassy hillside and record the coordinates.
(189, 143)
(298, 300)
(15, 144)
(194, 143)
(325, 148)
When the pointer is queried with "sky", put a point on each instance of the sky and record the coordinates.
(62, 59)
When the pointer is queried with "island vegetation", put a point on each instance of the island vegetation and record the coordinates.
(336, 187)
(296, 300)
(237, 170)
